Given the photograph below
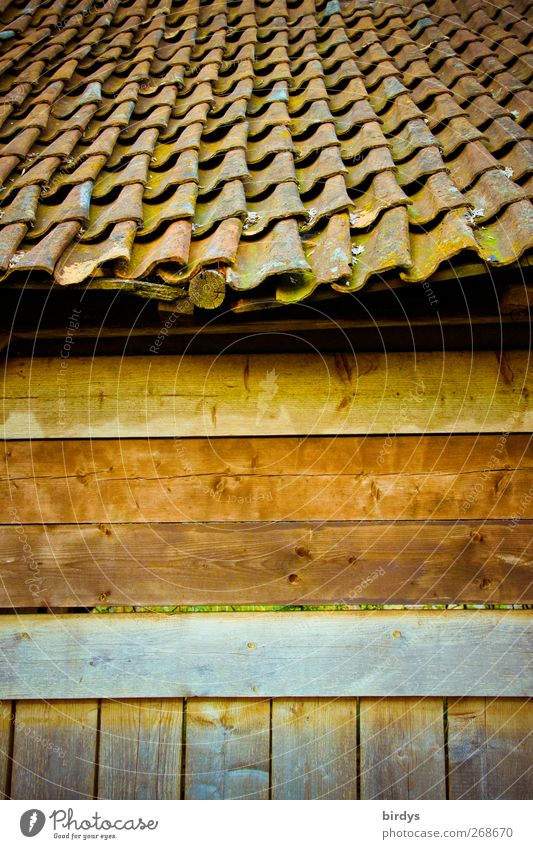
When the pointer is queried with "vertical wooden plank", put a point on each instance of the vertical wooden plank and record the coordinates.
(140, 749)
(490, 748)
(227, 749)
(314, 749)
(54, 752)
(6, 712)
(402, 748)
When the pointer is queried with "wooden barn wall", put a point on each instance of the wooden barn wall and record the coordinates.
(268, 480)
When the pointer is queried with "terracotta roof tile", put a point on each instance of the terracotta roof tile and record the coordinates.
(317, 143)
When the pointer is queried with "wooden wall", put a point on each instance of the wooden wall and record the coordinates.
(268, 480)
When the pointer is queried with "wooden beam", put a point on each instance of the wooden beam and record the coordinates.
(54, 754)
(140, 749)
(6, 726)
(227, 749)
(266, 394)
(255, 479)
(490, 745)
(290, 563)
(314, 749)
(402, 749)
(373, 653)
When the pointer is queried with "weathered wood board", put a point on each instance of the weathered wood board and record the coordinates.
(228, 749)
(267, 394)
(365, 653)
(402, 749)
(314, 749)
(288, 563)
(140, 749)
(490, 745)
(254, 479)
(54, 751)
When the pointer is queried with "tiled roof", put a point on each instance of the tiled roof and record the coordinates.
(279, 144)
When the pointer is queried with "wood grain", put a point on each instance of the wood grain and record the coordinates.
(54, 751)
(314, 749)
(384, 652)
(287, 563)
(402, 749)
(140, 749)
(251, 479)
(490, 745)
(6, 712)
(228, 749)
(267, 394)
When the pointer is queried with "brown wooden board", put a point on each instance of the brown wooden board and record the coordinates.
(374, 653)
(490, 745)
(314, 749)
(228, 749)
(251, 479)
(140, 749)
(267, 394)
(402, 749)
(54, 753)
(6, 716)
(290, 563)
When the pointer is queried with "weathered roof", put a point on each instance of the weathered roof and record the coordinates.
(307, 142)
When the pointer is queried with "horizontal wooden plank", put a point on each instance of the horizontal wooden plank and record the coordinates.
(393, 653)
(266, 394)
(256, 479)
(282, 563)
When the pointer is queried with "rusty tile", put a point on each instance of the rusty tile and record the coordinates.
(385, 247)
(230, 202)
(439, 194)
(504, 131)
(330, 257)
(456, 133)
(75, 207)
(332, 198)
(218, 247)
(471, 161)
(376, 160)
(136, 171)
(327, 164)
(232, 167)
(413, 136)
(518, 160)
(383, 193)
(277, 252)
(322, 137)
(23, 207)
(279, 170)
(184, 170)
(87, 170)
(283, 202)
(180, 204)
(10, 238)
(235, 137)
(430, 249)
(490, 193)
(127, 206)
(402, 110)
(44, 255)
(505, 240)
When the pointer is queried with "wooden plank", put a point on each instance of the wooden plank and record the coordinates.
(265, 564)
(314, 749)
(267, 394)
(227, 749)
(285, 479)
(384, 652)
(54, 752)
(402, 749)
(6, 716)
(490, 745)
(140, 749)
